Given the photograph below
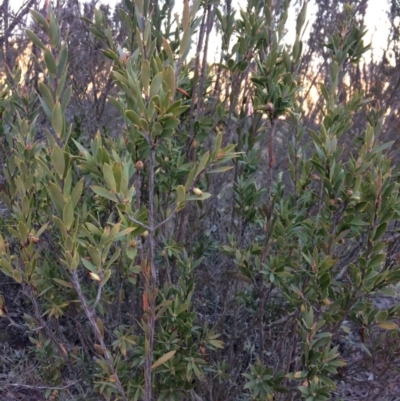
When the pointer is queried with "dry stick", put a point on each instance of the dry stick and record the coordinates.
(184, 216)
(150, 282)
(195, 78)
(209, 26)
(138, 183)
(17, 19)
(90, 313)
(32, 297)
(224, 39)
(262, 293)
(27, 386)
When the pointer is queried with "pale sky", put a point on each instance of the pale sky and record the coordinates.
(376, 22)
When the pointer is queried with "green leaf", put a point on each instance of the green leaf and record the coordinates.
(169, 78)
(54, 32)
(63, 282)
(179, 110)
(104, 193)
(380, 231)
(124, 232)
(133, 117)
(17, 276)
(202, 163)
(117, 171)
(168, 49)
(218, 143)
(46, 95)
(6, 266)
(216, 343)
(185, 43)
(42, 230)
(382, 147)
(68, 215)
(194, 9)
(57, 158)
(321, 341)
(162, 308)
(60, 226)
(190, 178)
(35, 39)
(89, 265)
(381, 316)
(109, 177)
(204, 196)
(39, 19)
(145, 75)
(95, 255)
(180, 192)
(388, 325)
(77, 192)
(62, 61)
(120, 77)
(185, 14)
(163, 359)
(58, 120)
(66, 98)
(222, 169)
(56, 195)
(100, 326)
(23, 232)
(377, 260)
(156, 85)
(50, 62)
(106, 277)
(2, 245)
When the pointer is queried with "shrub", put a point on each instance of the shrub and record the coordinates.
(104, 234)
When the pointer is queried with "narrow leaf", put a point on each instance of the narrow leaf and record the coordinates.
(63, 282)
(180, 191)
(202, 164)
(35, 39)
(388, 325)
(68, 214)
(156, 84)
(100, 326)
(46, 95)
(57, 158)
(104, 193)
(169, 78)
(109, 177)
(50, 62)
(145, 75)
(163, 359)
(77, 192)
(58, 120)
(39, 19)
(133, 117)
(17, 276)
(185, 43)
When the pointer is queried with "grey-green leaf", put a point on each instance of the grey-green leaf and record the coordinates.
(58, 120)
(57, 158)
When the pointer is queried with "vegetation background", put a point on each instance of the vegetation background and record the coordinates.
(176, 229)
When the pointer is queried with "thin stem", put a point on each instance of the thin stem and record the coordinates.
(90, 314)
(150, 281)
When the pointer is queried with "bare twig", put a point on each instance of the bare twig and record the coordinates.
(27, 386)
(90, 314)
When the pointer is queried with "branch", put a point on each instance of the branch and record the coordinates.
(166, 220)
(17, 20)
(138, 222)
(90, 314)
(42, 387)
